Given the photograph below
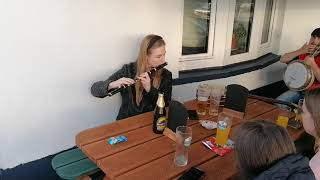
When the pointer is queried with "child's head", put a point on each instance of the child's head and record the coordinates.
(259, 144)
(311, 112)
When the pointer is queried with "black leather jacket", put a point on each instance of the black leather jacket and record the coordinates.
(129, 107)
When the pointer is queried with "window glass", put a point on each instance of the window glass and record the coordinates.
(196, 22)
(267, 21)
(242, 26)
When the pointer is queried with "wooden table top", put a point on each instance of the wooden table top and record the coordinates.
(148, 156)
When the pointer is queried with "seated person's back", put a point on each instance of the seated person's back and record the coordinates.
(264, 150)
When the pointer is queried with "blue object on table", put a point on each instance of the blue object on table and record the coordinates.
(118, 139)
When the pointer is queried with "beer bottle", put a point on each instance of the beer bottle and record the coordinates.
(159, 117)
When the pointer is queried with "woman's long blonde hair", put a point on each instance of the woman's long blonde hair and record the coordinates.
(148, 43)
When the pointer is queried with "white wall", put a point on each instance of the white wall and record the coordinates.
(51, 52)
(300, 19)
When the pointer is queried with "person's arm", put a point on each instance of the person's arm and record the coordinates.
(165, 88)
(287, 57)
(314, 67)
(101, 88)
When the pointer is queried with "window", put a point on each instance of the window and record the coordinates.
(196, 25)
(242, 26)
(222, 32)
(267, 40)
(267, 22)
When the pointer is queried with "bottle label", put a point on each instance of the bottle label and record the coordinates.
(161, 123)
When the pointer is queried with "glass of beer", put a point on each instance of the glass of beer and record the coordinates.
(223, 130)
(283, 117)
(215, 97)
(298, 111)
(203, 93)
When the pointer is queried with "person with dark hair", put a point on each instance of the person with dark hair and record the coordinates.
(313, 62)
(311, 124)
(142, 96)
(264, 150)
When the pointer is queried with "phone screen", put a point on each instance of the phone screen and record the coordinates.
(192, 174)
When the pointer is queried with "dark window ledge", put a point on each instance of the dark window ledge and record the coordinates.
(205, 74)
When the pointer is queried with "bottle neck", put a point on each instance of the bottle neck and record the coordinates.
(161, 110)
(160, 101)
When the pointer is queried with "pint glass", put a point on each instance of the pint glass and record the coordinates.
(223, 129)
(215, 97)
(203, 93)
(283, 117)
(183, 142)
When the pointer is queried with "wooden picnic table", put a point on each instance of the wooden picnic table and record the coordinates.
(150, 156)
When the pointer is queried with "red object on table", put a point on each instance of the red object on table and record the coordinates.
(221, 151)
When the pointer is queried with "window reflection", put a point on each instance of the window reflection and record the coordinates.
(267, 22)
(242, 26)
(196, 21)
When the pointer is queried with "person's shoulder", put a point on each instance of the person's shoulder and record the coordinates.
(290, 167)
(131, 65)
(166, 71)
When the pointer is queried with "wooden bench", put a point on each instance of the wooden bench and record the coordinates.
(73, 164)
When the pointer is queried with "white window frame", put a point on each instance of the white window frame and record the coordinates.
(265, 48)
(231, 59)
(220, 36)
(196, 61)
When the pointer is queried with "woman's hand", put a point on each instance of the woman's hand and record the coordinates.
(145, 81)
(121, 82)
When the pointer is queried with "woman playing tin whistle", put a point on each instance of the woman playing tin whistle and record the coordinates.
(142, 95)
